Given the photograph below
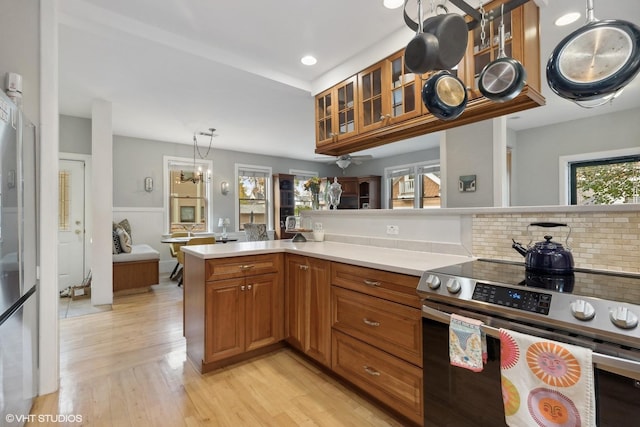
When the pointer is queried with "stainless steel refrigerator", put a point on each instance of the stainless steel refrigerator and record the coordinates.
(18, 261)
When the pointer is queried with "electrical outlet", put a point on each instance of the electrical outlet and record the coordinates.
(393, 229)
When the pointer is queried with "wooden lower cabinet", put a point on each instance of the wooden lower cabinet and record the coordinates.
(389, 379)
(377, 335)
(233, 308)
(390, 326)
(242, 315)
(308, 306)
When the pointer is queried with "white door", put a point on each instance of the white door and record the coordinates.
(71, 223)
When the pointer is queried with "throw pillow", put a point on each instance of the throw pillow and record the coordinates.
(125, 239)
(117, 248)
(124, 224)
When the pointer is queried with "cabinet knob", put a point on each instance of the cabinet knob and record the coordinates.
(242, 288)
(371, 282)
(249, 287)
(371, 371)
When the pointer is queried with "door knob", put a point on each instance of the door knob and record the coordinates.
(78, 232)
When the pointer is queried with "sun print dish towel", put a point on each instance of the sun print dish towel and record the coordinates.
(546, 383)
(467, 343)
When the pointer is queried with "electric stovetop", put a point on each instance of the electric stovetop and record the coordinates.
(604, 285)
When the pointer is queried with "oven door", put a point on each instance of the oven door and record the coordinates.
(457, 397)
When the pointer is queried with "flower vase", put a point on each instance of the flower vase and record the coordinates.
(315, 201)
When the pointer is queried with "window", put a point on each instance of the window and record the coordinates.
(254, 195)
(605, 181)
(64, 201)
(413, 186)
(188, 190)
(302, 196)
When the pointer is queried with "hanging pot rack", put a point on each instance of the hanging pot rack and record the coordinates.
(490, 15)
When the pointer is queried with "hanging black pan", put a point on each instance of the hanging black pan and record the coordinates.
(421, 54)
(503, 78)
(595, 62)
(444, 95)
(440, 41)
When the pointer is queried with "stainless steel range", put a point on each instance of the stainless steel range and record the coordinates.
(590, 309)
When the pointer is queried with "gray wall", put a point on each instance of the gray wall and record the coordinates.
(20, 51)
(135, 158)
(75, 135)
(470, 152)
(535, 166)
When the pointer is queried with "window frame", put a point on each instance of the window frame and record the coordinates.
(305, 175)
(207, 165)
(564, 166)
(573, 195)
(415, 170)
(268, 171)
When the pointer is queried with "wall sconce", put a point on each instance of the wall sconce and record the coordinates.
(224, 188)
(148, 184)
(224, 222)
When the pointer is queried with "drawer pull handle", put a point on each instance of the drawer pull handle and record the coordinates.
(246, 267)
(371, 282)
(303, 267)
(370, 322)
(371, 371)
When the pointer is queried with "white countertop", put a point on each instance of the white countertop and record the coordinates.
(395, 260)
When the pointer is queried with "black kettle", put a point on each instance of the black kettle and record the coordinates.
(546, 257)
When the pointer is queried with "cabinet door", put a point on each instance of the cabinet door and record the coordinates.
(318, 342)
(224, 319)
(373, 97)
(404, 88)
(295, 296)
(264, 310)
(337, 112)
(346, 111)
(324, 118)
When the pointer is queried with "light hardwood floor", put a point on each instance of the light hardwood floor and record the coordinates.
(128, 367)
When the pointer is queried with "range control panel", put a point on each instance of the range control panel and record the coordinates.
(520, 299)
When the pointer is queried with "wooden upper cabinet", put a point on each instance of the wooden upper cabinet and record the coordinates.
(388, 103)
(336, 112)
(387, 93)
(522, 42)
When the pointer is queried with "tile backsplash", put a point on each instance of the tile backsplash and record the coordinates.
(598, 240)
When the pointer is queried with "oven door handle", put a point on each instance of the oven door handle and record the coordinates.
(624, 367)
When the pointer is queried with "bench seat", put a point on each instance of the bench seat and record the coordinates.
(136, 269)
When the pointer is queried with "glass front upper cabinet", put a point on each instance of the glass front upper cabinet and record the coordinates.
(389, 93)
(336, 112)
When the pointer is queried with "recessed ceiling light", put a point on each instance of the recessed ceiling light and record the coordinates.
(308, 60)
(392, 4)
(568, 18)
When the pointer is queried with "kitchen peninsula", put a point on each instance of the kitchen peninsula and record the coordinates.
(247, 298)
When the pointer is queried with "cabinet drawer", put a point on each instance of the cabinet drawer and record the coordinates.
(392, 327)
(387, 378)
(227, 268)
(395, 287)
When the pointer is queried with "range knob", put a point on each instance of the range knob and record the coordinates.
(453, 286)
(582, 310)
(623, 318)
(433, 282)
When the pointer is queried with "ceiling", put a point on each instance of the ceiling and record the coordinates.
(171, 68)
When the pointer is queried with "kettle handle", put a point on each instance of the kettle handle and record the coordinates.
(553, 224)
(547, 224)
